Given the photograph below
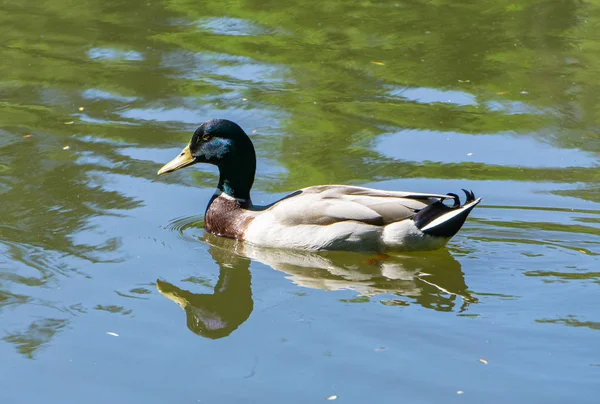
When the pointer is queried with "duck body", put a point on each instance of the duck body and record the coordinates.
(335, 217)
(323, 217)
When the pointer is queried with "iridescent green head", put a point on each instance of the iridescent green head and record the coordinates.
(226, 145)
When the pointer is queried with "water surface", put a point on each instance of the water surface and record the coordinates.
(111, 290)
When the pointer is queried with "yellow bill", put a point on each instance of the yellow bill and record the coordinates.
(184, 159)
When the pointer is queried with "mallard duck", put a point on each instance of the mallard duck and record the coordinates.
(322, 217)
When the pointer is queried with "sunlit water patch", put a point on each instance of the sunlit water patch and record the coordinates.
(225, 69)
(497, 149)
(96, 94)
(114, 54)
(433, 95)
(231, 26)
(246, 116)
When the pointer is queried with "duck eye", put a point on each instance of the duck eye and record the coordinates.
(206, 137)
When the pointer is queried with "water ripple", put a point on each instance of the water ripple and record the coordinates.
(181, 224)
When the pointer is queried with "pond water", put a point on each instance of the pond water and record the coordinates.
(110, 290)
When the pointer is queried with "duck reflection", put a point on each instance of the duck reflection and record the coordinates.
(433, 280)
(218, 314)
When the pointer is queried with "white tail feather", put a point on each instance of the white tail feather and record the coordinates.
(447, 216)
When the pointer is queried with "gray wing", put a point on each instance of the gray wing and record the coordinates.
(327, 204)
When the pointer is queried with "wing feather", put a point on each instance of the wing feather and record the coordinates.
(338, 190)
(311, 209)
(327, 204)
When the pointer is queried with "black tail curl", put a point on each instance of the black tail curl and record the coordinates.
(451, 226)
(470, 198)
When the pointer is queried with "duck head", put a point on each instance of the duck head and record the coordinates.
(218, 141)
(225, 144)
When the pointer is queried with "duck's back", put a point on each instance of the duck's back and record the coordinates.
(338, 217)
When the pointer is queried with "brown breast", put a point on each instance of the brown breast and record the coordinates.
(226, 217)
